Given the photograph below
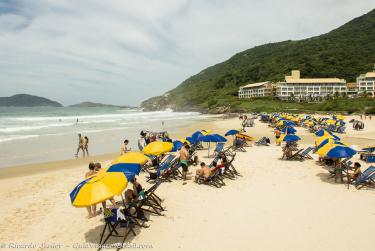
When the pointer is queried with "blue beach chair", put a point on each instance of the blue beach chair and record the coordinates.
(366, 179)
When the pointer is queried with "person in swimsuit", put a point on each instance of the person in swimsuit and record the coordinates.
(184, 160)
(86, 146)
(81, 142)
(357, 171)
(204, 172)
(277, 135)
(91, 209)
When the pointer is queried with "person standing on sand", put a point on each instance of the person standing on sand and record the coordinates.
(86, 146)
(91, 209)
(81, 143)
(277, 135)
(184, 160)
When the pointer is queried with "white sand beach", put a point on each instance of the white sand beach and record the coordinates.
(274, 204)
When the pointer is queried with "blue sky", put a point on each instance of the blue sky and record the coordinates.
(122, 52)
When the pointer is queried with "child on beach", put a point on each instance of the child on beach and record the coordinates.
(125, 147)
(277, 135)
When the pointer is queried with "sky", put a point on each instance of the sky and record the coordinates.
(123, 52)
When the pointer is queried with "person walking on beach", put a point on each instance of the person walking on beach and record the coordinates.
(125, 147)
(86, 146)
(277, 135)
(81, 143)
(184, 160)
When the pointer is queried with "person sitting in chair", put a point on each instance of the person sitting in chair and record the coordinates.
(203, 172)
(356, 172)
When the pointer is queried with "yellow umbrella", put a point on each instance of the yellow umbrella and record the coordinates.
(98, 188)
(244, 136)
(322, 138)
(281, 138)
(158, 147)
(281, 123)
(132, 157)
(206, 132)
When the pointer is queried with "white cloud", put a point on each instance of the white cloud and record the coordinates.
(122, 52)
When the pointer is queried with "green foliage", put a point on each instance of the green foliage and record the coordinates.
(344, 53)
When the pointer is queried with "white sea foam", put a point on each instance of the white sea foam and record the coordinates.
(5, 138)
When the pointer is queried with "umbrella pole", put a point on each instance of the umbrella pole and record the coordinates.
(209, 149)
(347, 175)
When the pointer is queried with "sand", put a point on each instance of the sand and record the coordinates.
(274, 205)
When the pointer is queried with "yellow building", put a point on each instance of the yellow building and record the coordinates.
(305, 88)
(255, 90)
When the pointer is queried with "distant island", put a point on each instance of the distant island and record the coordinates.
(92, 104)
(26, 100)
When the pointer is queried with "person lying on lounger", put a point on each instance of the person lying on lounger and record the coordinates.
(203, 172)
(356, 172)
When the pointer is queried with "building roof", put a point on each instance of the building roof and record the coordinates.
(254, 85)
(313, 80)
(370, 74)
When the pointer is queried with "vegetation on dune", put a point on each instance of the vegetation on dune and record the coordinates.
(345, 53)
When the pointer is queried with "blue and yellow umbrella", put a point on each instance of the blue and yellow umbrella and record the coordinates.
(98, 188)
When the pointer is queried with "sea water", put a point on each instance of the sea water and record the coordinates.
(39, 134)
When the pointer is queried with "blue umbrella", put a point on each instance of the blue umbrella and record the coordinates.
(197, 135)
(231, 132)
(340, 151)
(191, 140)
(129, 169)
(177, 145)
(321, 132)
(289, 130)
(289, 123)
(291, 138)
(212, 138)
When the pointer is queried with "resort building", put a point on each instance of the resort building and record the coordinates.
(255, 90)
(309, 88)
(352, 89)
(366, 83)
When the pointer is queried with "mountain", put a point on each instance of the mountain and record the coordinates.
(344, 52)
(92, 104)
(26, 100)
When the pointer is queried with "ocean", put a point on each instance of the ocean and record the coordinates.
(40, 134)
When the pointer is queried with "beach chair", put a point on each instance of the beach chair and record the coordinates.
(163, 167)
(366, 179)
(150, 203)
(219, 148)
(305, 154)
(263, 142)
(239, 145)
(114, 219)
(341, 129)
(296, 155)
(229, 169)
(214, 180)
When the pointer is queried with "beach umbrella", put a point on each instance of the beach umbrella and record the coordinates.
(213, 138)
(177, 145)
(336, 151)
(291, 138)
(244, 136)
(132, 157)
(289, 123)
(191, 140)
(205, 132)
(197, 135)
(322, 132)
(157, 148)
(98, 188)
(231, 132)
(129, 169)
(289, 130)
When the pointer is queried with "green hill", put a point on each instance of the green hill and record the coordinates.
(344, 53)
(25, 100)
